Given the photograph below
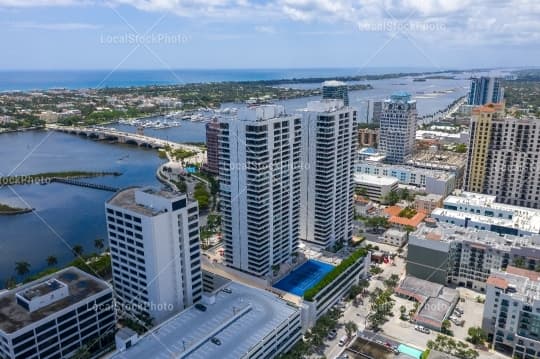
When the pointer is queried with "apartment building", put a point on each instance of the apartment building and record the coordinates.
(503, 156)
(446, 253)
(485, 90)
(432, 181)
(212, 152)
(155, 251)
(481, 211)
(56, 315)
(327, 188)
(511, 316)
(260, 170)
(397, 131)
(335, 90)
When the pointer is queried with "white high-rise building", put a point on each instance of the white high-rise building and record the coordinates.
(259, 168)
(398, 127)
(154, 242)
(328, 152)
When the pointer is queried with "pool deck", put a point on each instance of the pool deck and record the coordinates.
(304, 277)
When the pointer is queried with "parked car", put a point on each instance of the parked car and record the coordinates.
(343, 341)
(200, 307)
(332, 334)
(422, 329)
(227, 290)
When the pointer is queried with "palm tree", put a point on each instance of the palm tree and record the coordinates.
(77, 250)
(22, 268)
(51, 261)
(350, 328)
(99, 244)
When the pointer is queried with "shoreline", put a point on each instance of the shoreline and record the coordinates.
(269, 82)
(6, 210)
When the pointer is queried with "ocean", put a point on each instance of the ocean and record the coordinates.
(18, 80)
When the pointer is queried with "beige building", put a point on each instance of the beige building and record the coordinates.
(428, 203)
(395, 237)
(368, 137)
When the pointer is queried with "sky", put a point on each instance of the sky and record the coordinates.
(221, 34)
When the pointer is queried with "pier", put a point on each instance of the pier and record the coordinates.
(73, 182)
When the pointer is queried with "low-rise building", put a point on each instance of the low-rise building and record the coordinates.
(235, 322)
(56, 315)
(427, 203)
(375, 187)
(445, 253)
(395, 237)
(397, 219)
(480, 211)
(431, 181)
(436, 301)
(511, 314)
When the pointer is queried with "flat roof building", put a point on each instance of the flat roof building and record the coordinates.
(327, 188)
(481, 211)
(376, 187)
(54, 316)
(432, 181)
(445, 253)
(247, 322)
(155, 251)
(259, 184)
(510, 316)
(436, 301)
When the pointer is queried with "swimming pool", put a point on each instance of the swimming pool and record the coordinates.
(304, 277)
(410, 351)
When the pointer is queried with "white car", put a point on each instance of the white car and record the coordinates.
(421, 329)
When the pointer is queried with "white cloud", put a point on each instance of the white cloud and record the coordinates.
(265, 29)
(454, 21)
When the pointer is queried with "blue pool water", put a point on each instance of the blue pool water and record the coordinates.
(304, 277)
(412, 352)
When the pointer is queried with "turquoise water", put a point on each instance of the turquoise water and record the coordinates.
(410, 351)
(304, 277)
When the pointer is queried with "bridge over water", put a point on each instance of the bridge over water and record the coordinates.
(112, 134)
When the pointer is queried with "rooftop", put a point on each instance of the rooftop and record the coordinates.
(81, 285)
(435, 173)
(517, 286)
(364, 178)
(334, 83)
(436, 300)
(526, 219)
(129, 200)
(240, 320)
(449, 233)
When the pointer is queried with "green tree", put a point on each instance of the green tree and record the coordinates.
(52, 261)
(445, 328)
(461, 148)
(77, 250)
(519, 262)
(22, 268)
(351, 328)
(476, 335)
(99, 243)
(200, 193)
